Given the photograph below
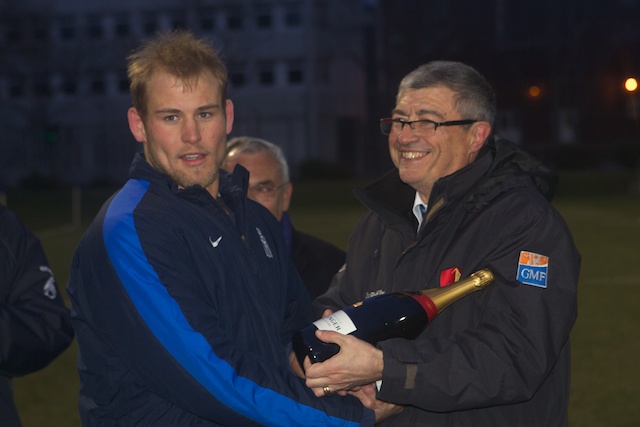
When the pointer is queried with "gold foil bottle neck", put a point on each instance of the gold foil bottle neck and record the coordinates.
(445, 296)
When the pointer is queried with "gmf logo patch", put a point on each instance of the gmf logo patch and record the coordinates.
(533, 269)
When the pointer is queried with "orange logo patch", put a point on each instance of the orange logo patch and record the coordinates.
(533, 269)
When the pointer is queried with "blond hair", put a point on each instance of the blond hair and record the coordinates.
(178, 53)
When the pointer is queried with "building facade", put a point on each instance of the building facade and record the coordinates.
(296, 75)
(315, 75)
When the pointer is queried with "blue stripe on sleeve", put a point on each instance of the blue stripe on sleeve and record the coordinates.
(187, 345)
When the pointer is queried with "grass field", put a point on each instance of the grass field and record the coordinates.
(605, 221)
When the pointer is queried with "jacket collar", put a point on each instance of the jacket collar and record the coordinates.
(500, 166)
(453, 188)
(510, 168)
(233, 187)
(388, 196)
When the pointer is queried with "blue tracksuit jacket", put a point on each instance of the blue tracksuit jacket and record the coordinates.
(183, 313)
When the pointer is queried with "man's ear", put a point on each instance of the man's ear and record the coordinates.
(136, 125)
(287, 191)
(479, 133)
(229, 115)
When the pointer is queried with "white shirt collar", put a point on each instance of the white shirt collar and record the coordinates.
(417, 210)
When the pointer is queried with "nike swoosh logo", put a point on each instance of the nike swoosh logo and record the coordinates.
(216, 242)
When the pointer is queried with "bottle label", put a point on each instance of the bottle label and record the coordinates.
(338, 321)
(427, 305)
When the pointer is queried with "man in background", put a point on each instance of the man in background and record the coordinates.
(316, 260)
(34, 322)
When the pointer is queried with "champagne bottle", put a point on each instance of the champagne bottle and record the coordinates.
(395, 315)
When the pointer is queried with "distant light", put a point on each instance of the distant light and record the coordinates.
(631, 84)
(534, 91)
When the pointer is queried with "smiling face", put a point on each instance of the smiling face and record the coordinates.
(185, 129)
(422, 160)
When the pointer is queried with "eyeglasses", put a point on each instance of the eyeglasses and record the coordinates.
(424, 127)
(264, 192)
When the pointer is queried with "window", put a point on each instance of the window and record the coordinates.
(17, 86)
(41, 32)
(94, 27)
(234, 18)
(293, 14)
(14, 35)
(122, 25)
(123, 82)
(178, 19)
(266, 74)
(237, 75)
(207, 19)
(67, 27)
(264, 17)
(42, 87)
(149, 23)
(97, 84)
(295, 73)
(69, 85)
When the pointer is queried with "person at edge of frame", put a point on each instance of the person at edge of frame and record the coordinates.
(35, 327)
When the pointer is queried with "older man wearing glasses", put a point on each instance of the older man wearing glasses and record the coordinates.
(499, 357)
(317, 261)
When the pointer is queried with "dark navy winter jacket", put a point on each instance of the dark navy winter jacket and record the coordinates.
(184, 312)
(34, 322)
